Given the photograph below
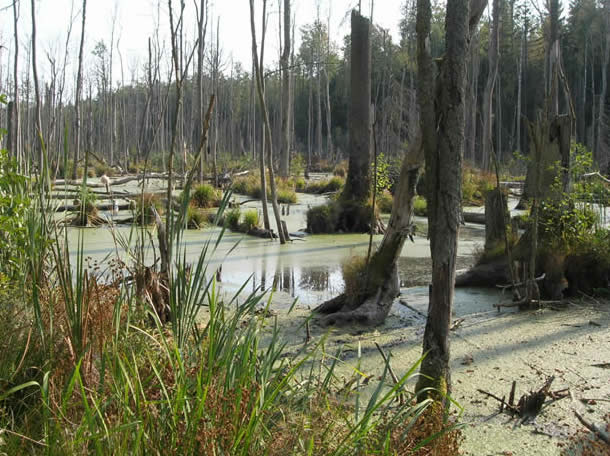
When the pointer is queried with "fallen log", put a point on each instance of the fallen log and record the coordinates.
(99, 207)
(474, 217)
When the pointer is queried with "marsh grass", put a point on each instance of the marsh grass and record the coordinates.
(92, 370)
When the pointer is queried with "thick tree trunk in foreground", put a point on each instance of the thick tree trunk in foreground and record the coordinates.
(358, 185)
(443, 123)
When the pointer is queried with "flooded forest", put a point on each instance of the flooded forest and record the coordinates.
(298, 227)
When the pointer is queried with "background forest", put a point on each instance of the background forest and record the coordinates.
(120, 112)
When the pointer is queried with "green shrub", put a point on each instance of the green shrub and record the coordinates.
(101, 169)
(250, 220)
(144, 203)
(341, 169)
(205, 196)
(475, 185)
(195, 218)
(231, 219)
(385, 202)
(286, 196)
(66, 173)
(352, 271)
(334, 184)
(323, 219)
(299, 184)
(420, 206)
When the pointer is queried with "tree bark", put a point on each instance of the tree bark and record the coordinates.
(494, 41)
(269, 138)
(38, 146)
(286, 88)
(442, 120)
(370, 305)
(77, 95)
(15, 143)
(358, 184)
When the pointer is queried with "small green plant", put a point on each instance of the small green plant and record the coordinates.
(297, 165)
(250, 220)
(420, 206)
(195, 218)
(144, 213)
(385, 201)
(323, 219)
(232, 218)
(205, 196)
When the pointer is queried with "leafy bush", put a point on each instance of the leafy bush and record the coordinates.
(323, 219)
(334, 184)
(420, 206)
(205, 196)
(384, 202)
(250, 220)
(352, 271)
(297, 165)
(195, 218)
(341, 169)
(475, 185)
(144, 204)
(232, 217)
(299, 184)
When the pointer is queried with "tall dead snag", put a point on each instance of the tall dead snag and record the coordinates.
(14, 138)
(442, 123)
(38, 120)
(494, 41)
(79, 88)
(286, 83)
(354, 216)
(268, 137)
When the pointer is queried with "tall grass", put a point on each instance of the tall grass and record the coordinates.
(95, 370)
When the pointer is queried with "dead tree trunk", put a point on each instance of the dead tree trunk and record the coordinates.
(79, 88)
(442, 124)
(286, 83)
(380, 286)
(358, 184)
(267, 127)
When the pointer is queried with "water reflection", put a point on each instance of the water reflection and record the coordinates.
(310, 284)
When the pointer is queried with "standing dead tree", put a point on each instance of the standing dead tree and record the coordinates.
(441, 97)
(77, 95)
(268, 137)
(286, 88)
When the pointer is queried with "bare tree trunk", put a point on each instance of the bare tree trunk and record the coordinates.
(442, 123)
(601, 150)
(518, 122)
(263, 105)
(329, 133)
(15, 143)
(286, 89)
(358, 185)
(380, 284)
(494, 40)
(258, 66)
(38, 121)
(79, 88)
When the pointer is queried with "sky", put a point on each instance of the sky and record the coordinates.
(135, 22)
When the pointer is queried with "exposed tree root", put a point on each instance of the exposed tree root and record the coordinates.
(370, 310)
